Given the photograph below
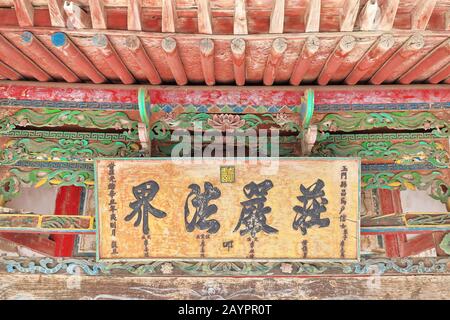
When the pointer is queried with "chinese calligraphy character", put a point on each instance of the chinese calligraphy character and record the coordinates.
(200, 201)
(314, 201)
(144, 194)
(253, 214)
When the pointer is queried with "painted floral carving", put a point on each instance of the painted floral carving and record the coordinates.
(166, 268)
(226, 121)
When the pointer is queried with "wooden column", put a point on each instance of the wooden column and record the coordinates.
(441, 75)
(438, 54)
(169, 45)
(312, 16)
(389, 11)
(102, 42)
(408, 49)
(279, 45)
(240, 17)
(77, 18)
(369, 16)
(309, 49)
(238, 56)
(98, 14)
(9, 73)
(349, 15)
(29, 40)
(204, 17)
(344, 47)
(375, 54)
(207, 60)
(57, 14)
(168, 16)
(134, 44)
(11, 54)
(421, 14)
(65, 45)
(134, 15)
(24, 12)
(277, 17)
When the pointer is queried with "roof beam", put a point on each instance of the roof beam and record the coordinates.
(207, 60)
(374, 55)
(441, 75)
(238, 56)
(134, 15)
(447, 20)
(440, 53)
(349, 15)
(141, 57)
(389, 11)
(102, 42)
(204, 17)
(9, 73)
(277, 17)
(312, 16)
(279, 46)
(344, 47)
(421, 14)
(77, 18)
(98, 14)
(168, 16)
(240, 17)
(408, 49)
(33, 43)
(169, 45)
(24, 12)
(309, 49)
(369, 17)
(57, 14)
(14, 57)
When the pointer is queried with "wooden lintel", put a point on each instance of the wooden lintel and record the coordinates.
(309, 49)
(134, 15)
(207, 60)
(388, 13)
(240, 17)
(279, 46)
(57, 14)
(277, 17)
(169, 45)
(441, 75)
(408, 49)
(24, 12)
(77, 18)
(344, 47)
(438, 54)
(134, 44)
(168, 16)
(375, 53)
(102, 42)
(349, 15)
(204, 17)
(9, 73)
(238, 56)
(421, 14)
(98, 14)
(369, 17)
(312, 16)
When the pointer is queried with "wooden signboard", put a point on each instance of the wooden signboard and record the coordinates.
(290, 209)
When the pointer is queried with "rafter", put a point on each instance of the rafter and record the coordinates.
(134, 15)
(240, 17)
(9, 73)
(312, 16)
(98, 14)
(204, 17)
(279, 46)
(421, 14)
(169, 45)
(277, 17)
(369, 17)
(168, 16)
(388, 13)
(77, 18)
(207, 60)
(309, 49)
(24, 12)
(441, 75)
(349, 15)
(238, 56)
(57, 14)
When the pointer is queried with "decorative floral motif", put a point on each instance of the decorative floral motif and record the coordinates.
(166, 268)
(226, 122)
(286, 268)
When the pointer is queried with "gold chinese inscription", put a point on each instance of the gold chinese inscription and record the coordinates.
(300, 209)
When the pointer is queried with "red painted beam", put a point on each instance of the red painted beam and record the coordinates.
(9, 73)
(64, 44)
(37, 242)
(102, 42)
(14, 57)
(438, 54)
(29, 40)
(68, 202)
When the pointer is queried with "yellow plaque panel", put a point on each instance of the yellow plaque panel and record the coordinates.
(286, 209)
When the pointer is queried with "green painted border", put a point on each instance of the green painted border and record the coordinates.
(144, 106)
(358, 234)
(307, 111)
